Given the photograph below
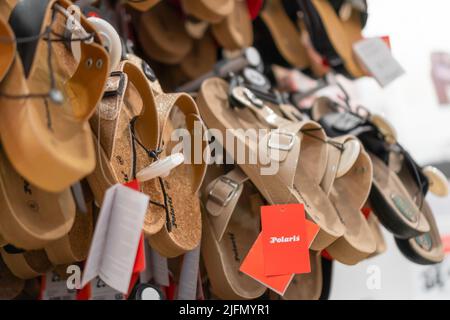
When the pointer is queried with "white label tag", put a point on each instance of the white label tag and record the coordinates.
(56, 288)
(376, 56)
(187, 286)
(101, 291)
(160, 269)
(116, 238)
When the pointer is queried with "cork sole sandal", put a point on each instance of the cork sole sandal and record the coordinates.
(307, 286)
(201, 59)
(212, 11)
(306, 153)
(236, 30)
(163, 36)
(47, 137)
(7, 49)
(126, 90)
(31, 217)
(390, 199)
(348, 191)
(231, 224)
(142, 5)
(285, 34)
(73, 247)
(339, 38)
(27, 265)
(10, 285)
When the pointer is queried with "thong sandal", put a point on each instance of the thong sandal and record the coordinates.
(10, 285)
(27, 265)
(304, 139)
(45, 135)
(231, 224)
(162, 34)
(31, 217)
(348, 188)
(285, 34)
(390, 199)
(236, 30)
(212, 11)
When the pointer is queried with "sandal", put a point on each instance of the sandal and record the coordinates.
(231, 224)
(142, 5)
(54, 148)
(27, 265)
(348, 188)
(235, 32)
(31, 217)
(7, 48)
(306, 139)
(10, 285)
(162, 34)
(212, 11)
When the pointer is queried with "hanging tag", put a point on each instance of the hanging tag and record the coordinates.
(55, 288)
(101, 291)
(160, 269)
(116, 238)
(147, 274)
(187, 284)
(285, 244)
(376, 56)
(253, 264)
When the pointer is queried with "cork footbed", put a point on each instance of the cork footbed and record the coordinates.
(7, 50)
(285, 34)
(10, 285)
(348, 194)
(307, 286)
(341, 35)
(236, 30)
(74, 246)
(217, 113)
(201, 59)
(30, 217)
(386, 185)
(142, 5)
(212, 11)
(411, 247)
(162, 35)
(223, 258)
(28, 265)
(53, 155)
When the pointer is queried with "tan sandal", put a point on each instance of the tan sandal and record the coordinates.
(54, 148)
(28, 265)
(236, 30)
(10, 285)
(231, 224)
(142, 5)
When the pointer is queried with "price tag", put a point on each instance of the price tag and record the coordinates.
(55, 288)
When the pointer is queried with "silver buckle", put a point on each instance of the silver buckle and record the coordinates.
(218, 198)
(281, 146)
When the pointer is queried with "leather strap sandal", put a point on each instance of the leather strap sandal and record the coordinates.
(44, 110)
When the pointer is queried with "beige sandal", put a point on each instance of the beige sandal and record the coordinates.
(212, 11)
(28, 265)
(10, 285)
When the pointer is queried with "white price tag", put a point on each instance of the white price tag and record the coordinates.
(56, 288)
(116, 238)
(376, 56)
(187, 287)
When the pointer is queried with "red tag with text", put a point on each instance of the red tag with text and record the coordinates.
(253, 265)
(284, 239)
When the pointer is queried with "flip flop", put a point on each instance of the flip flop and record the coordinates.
(347, 182)
(73, 247)
(301, 156)
(285, 34)
(27, 265)
(10, 285)
(162, 35)
(142, 5)
(172, 226)
(212, 11)
(390, 199)
(46, 135)
(30, 217)
(339, 34)
(236, 30)
(231, 224)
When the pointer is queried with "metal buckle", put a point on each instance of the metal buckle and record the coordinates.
(281, 146)
(120, 88)
(217, 198)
